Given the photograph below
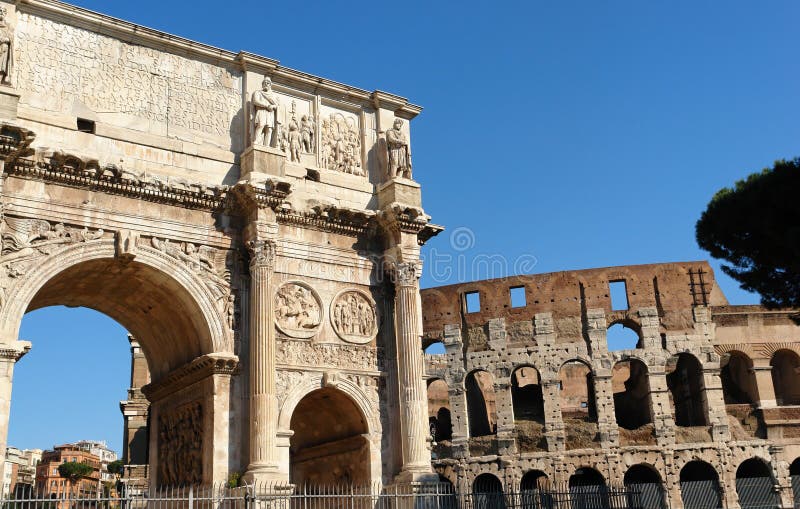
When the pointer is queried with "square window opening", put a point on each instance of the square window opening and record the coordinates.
(517, 296)
(618, 291)
(473, 302)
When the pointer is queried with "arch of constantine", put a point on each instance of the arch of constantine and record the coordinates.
(257, 230)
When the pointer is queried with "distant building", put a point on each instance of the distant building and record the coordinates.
(49, 482)
(101, 450)
(19, 471)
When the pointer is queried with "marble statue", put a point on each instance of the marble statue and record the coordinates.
(265, 106)
(399, 154)
(6, 49)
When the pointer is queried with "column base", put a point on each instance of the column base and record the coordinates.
(265, 475)
(415, 477)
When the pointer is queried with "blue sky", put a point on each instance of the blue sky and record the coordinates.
(570, 134)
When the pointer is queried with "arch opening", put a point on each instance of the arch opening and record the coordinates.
(786, 377)
(481, 409)
(688, 394)
(337, 453)
(632, 404)
(578, 408)
(439, 418)
(647, 483)
(755, 485)
(487, 492)
(528, 406)
(534, 480)
(623, 336)
(152, 305)
(700, 486)
(741, 396)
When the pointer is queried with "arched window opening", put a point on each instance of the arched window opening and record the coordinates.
(794, 475)
(786, 377)
(620, 337)
(439, 411)
(754, 485)
(528, 404)
(75, 349)
(687, 390)
(646, 482)
(700, 486)
(578, 409)
(487, 492)
(534, 480)
(481, 404)
(588, 490)
(434, 348)
(741, 396)
(632, 406)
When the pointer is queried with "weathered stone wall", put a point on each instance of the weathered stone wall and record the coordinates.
(681, 319)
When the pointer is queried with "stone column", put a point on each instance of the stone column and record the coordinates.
(604, 404)
(506, 436)
(553, 422)
(410, 370)
(9, 355)
(663, 421)
(263, 464)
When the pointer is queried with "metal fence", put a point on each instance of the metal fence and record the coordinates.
(753, 493)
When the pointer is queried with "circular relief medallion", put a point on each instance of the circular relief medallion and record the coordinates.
(353, 316)
(298, 310)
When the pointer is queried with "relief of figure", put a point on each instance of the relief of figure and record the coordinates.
(307, 131)
(6, 49)
(341, 145)
(353, 317)
(399, 154)
(265, 106)
(297, 310)
(295, 141)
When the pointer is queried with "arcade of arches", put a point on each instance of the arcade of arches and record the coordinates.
(701, 408)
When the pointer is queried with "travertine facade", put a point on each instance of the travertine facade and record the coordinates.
(239, 218)
(533, 391)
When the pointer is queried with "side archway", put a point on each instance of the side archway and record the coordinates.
(341, 398)
(700, 487)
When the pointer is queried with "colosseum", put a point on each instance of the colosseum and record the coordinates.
(699, 402)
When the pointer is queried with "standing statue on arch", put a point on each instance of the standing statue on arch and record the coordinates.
(6, 48)
(399, 153)
(265, 106)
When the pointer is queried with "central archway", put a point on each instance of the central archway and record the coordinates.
(176, 316)
(330, 444)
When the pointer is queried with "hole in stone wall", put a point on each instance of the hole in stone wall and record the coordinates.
(481, 408)
(439, 418)
(619, 295)
(517, 296)
(473, 302)
(687, 389)
(578, 409)
(86, 126)
(631, 388)
(786, 377)
(436, 348)
(620, 337)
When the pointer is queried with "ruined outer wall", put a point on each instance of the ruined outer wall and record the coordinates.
(674, 308)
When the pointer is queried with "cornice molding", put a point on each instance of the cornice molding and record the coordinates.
(199, 369)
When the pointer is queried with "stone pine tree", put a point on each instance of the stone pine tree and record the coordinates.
(73, 472)
(755, 226)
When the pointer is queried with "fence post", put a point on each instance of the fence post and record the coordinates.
(191, 497)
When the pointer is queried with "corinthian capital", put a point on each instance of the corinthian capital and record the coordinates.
(405, 273)
(262, 253)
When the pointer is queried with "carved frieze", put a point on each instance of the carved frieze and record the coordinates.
(298, 310)
(303, 353)
(353, 316)
(341, 144)
(180, 446)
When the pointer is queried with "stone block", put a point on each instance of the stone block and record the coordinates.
(399, 190)
(257, 162)
(9, 99)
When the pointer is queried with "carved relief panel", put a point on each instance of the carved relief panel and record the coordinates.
(180, 446)
(298, 310)
(353, 317)
(340, 142)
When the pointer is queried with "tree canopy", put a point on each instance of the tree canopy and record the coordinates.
(74, 471)
(755, 226)
(116, 467)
